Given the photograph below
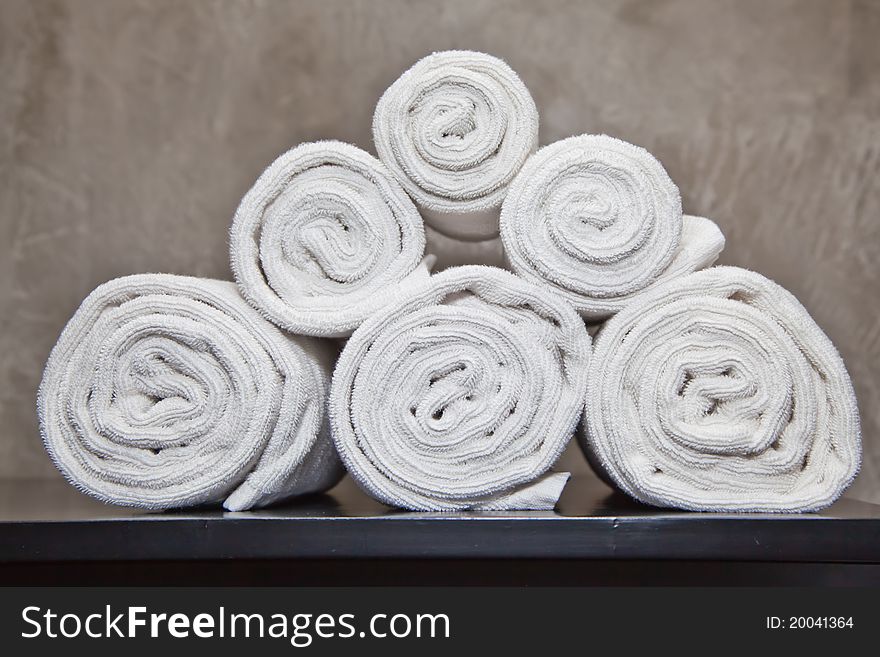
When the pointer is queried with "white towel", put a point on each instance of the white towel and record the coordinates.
(599, 221)
(324, 238)
(718, 392)
(462, 395)
(169, 391)
(455, 128)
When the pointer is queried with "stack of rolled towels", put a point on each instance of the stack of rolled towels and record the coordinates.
(707, 388)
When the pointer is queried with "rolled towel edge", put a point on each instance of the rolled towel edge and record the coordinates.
(701, 244)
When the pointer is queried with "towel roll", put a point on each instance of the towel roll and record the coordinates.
(718, 392)
(462, 395)
(169, 391)
(324, 238)
(455, 129)
(600, 221)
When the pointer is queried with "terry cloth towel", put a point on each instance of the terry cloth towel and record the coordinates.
(451, 252)
(462, 395)
(169, 391)
(324, 238)
(718, 392)
(599, 220)
(455, 128)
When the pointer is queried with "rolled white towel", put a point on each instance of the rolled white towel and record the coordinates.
(600, 221)
(462, 395)
(718, 392)
(169, 391)
(455, 129)
(324, 238)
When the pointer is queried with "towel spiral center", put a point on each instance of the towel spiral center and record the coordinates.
(721, 388)
(328, 232)
(155, 389)
(596, 216)
(153, 385)
(458, 122)
(455, 129)
(460, 396)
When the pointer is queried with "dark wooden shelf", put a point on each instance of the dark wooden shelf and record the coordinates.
(52, 522)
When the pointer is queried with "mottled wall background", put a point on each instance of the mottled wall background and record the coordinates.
(130, 130)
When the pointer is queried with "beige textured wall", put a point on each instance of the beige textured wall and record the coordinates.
(129, 130)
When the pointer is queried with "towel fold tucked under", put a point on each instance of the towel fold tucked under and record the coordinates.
(169, 391)
(718, 392)
(462, 395)
(455, 129)
(600, 221)
(324, 238)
